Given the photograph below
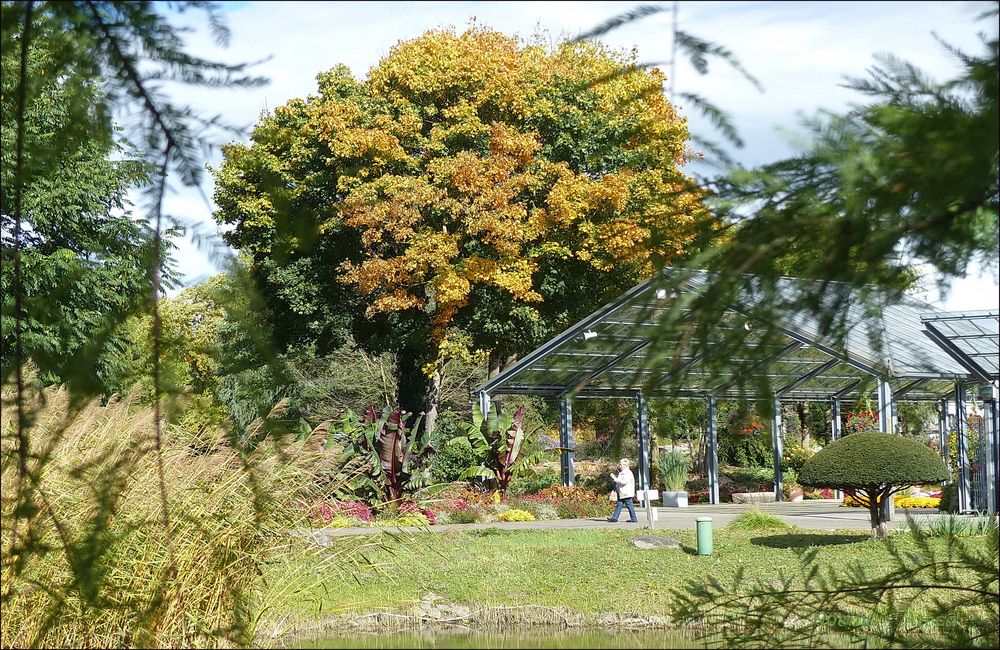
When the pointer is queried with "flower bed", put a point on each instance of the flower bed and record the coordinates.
(898, 500)
(466, 506)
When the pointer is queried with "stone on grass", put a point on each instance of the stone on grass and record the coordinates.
(649, 542)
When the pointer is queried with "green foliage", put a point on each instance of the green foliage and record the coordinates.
(875, 465)
(956, 525)
(936, 595)
(745, 449)
(389, 457)
(862, 460)
(795, 456)
(84, 257)
(757, 519)
(532, 482)
(674, 466)
(452, 460)
(949, 498)
(473, 185)
(499, 438)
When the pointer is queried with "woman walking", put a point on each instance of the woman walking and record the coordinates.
(625, 487)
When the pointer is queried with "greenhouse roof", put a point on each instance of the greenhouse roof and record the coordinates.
(972, 338)
(605, 354)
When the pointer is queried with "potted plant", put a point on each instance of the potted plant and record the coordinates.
(794, 491)
(673, 474)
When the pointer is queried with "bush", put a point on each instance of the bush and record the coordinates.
(533, 482)
(949, 498)
(795, 456)
(515, 514)
(876, 466)
(744, 450)
(451, 459)
(458, 516)
(757, 520)
(862, 459)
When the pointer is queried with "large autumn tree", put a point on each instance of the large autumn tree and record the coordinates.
(472, 184)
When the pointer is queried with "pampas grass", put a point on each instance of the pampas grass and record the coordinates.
(95, 562)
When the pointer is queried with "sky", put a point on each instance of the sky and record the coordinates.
(799, 51)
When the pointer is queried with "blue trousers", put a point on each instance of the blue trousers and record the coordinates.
(631, 509)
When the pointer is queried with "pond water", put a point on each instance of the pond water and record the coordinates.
(534, 637)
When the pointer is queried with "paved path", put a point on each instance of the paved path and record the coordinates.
(813, 515)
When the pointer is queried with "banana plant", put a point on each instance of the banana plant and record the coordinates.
(390, 455)
(498, 438)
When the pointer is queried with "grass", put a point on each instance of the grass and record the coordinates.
(757, 519)
(585, 571)
(93, 562)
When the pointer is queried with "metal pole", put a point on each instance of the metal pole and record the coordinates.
(943, 428)
(943, 431)
(566, 440)
(484, 404)
(835, 432)
(642, 429)
(991, 461)
(713, 454)
(994, 415)
(961, 425)
(886, 410)
(776, 448)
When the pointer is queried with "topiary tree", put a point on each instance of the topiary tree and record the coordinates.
(875, 465)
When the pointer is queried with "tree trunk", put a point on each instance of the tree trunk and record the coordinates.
(802, 410)
(496, 364)
(433, 396)
(878, 513)
(413, 387)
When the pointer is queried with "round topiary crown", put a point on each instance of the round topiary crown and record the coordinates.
(864, 459)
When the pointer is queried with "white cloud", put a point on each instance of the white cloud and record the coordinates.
(800, 52)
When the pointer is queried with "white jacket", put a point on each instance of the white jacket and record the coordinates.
(625, 482)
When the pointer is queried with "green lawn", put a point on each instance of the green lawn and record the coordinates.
(587, 571)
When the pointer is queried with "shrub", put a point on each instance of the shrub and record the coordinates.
(515, 514)
(949, 498)
(899, 500)
(757, 520)
(533, 482)
(916, 502)
(354, 510)
(673, 468)
(415, 519)
(545, 512)
(458, 516)
(452, 459)
(795, 456)
(874, 465)
(744, 449)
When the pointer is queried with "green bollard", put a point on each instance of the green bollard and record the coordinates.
(704, 535)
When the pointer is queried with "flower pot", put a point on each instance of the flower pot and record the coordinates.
(675, 499)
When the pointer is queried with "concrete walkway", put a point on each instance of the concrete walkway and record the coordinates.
(811, 515)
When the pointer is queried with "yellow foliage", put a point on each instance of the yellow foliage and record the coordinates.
(456, 164)
(898, 500)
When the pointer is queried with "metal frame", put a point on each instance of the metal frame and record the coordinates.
(808, 368)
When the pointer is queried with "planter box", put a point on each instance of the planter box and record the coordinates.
(640, 497)
(753, 497)
(675, 499)
(796, 494)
